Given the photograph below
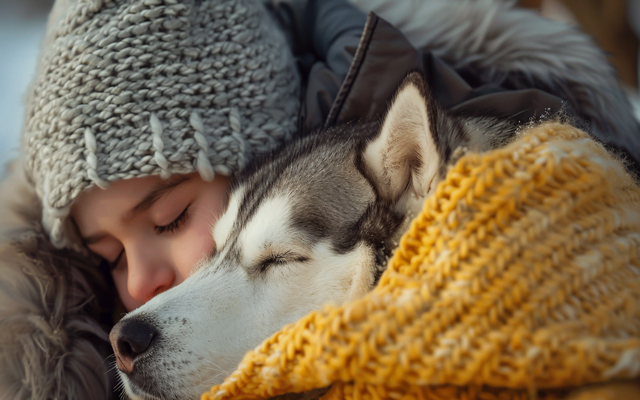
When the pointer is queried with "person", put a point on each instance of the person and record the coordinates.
(141, 111)
(151, 231)
(138, 114)
(165, 101)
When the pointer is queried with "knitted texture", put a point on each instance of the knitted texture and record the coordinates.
(519, 279)
(132, 88)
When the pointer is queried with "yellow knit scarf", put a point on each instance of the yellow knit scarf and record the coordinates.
(519, 279)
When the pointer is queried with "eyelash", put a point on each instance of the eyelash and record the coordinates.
(279, 259)
(171, 227)
(175, 224)
(114, 264)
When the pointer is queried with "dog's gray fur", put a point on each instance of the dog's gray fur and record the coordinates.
(44, 315)
(310, 224)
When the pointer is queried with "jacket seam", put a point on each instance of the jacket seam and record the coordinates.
(354, 70)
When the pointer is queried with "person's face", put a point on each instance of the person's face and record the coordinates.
(151, 231)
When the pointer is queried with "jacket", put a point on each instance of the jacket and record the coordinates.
(56, 306)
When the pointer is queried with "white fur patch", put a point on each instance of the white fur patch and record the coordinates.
(222, 229)
(213, 318)
(269, 226)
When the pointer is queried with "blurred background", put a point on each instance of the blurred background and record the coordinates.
(22, 24)
(614, 24)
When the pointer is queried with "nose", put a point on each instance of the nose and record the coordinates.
(129, 339)
(148, 274)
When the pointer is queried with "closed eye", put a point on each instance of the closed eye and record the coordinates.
(279, 259)
(175, 224)
(114, 264)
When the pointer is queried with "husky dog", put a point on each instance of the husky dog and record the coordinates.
(310, 224)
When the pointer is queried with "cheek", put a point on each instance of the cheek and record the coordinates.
(196, 243)
(120, 280)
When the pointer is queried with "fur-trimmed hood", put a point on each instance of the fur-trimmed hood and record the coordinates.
(54, 309)
(56, 306)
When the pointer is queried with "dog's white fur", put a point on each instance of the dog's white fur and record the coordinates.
(223, 310)
(59, 354)
(227, 313)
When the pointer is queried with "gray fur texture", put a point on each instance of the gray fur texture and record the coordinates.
(51, 343)
(309, 224)
(518, 48)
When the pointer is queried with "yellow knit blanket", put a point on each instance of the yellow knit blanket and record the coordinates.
(519, 279)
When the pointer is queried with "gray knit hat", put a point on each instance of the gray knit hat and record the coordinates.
(132, 88)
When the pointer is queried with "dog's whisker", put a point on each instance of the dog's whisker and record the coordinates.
(120, 388)
(212, 379)
(214, 364)
(276, 258)
(199, 378)
(105, 361)
(111, 364)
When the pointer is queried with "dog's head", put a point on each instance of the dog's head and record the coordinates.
(309, 225)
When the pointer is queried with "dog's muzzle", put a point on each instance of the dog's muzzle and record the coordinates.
(130, 339)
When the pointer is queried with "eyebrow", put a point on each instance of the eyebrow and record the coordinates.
(160, 190)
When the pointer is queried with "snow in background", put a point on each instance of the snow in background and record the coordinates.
(22, 25)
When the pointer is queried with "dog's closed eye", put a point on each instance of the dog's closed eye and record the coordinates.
(279, 259)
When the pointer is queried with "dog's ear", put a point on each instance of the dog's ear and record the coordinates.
(404, 155)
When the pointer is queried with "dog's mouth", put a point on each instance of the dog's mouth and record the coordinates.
(136, 393)
(146, 369)
(138, 387)
(145, 385)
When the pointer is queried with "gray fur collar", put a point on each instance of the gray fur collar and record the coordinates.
(53, 328)
(519, 49)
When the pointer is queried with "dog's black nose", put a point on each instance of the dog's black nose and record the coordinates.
(130, 338)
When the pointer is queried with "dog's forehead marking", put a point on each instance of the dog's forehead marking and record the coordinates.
(222, 229)
(269, 225)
